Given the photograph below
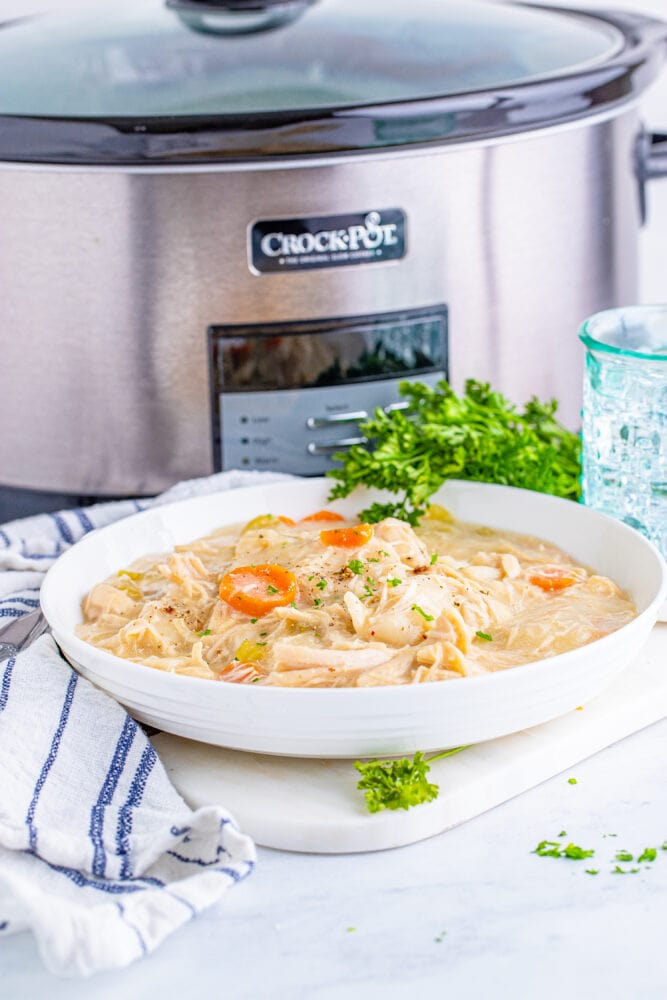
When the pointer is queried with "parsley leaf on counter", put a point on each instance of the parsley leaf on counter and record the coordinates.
(548, 849)
(480, 435)
(552, 849)
(624, 856)
(576, 853)
(399, 784)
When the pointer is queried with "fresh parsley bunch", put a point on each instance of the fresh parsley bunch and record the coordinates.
(480, 435)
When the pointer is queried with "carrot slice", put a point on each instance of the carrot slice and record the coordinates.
(551, 578)
(347, 538)
(239, 673)
(323, 515)
(257, 590)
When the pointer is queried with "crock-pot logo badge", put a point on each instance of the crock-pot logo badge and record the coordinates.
(371, 236)
(329, 241)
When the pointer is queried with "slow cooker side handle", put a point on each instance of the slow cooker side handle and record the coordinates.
(651, 162)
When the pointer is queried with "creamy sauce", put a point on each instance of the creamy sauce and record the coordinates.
(444, 601)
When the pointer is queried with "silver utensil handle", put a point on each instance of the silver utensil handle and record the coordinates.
(21, 632)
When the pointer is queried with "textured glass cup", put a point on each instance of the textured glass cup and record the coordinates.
(624, 428)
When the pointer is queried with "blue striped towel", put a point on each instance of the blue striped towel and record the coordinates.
(99, 855)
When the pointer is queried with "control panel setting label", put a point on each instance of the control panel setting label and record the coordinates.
(327, 241)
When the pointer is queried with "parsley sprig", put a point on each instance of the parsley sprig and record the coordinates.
(399, 784)
(480, 435)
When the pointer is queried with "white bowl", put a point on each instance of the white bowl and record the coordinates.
(359, 722)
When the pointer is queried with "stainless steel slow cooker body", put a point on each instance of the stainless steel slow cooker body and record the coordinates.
(124, 242)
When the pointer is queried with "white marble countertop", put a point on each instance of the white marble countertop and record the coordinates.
(467, 914)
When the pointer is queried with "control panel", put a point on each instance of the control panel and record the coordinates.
(286, 397)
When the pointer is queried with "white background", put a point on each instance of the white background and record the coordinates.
(653, 248)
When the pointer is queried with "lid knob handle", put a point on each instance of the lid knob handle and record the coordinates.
(238, 17)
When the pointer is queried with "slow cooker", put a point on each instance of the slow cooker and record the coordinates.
(230, 228)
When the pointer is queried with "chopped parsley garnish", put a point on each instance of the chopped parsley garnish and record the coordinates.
(571, 781)
(253, 621)
(563, 833)
(434, 558)
(548, 849)
(420, 611)
(399, 784)
(356, 566)
(292, 604)
(484, 635)
(206, 631)
(552, 849)
(271, 589)
(576, 853)
(254, 680)
(368, 592)
(394, 582)
(321, 584)
(317, 602)
(261, 643)
(441, 937)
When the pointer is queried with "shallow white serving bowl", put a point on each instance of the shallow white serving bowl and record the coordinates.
(358, 722)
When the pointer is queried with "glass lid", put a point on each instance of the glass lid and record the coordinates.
(167, 81)
(151, 58)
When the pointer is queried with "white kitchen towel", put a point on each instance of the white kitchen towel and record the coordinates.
(99, 855)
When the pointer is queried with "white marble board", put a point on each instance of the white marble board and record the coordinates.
(314, 806)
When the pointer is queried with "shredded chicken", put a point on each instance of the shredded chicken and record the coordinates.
(402, 606)
(107, 599)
